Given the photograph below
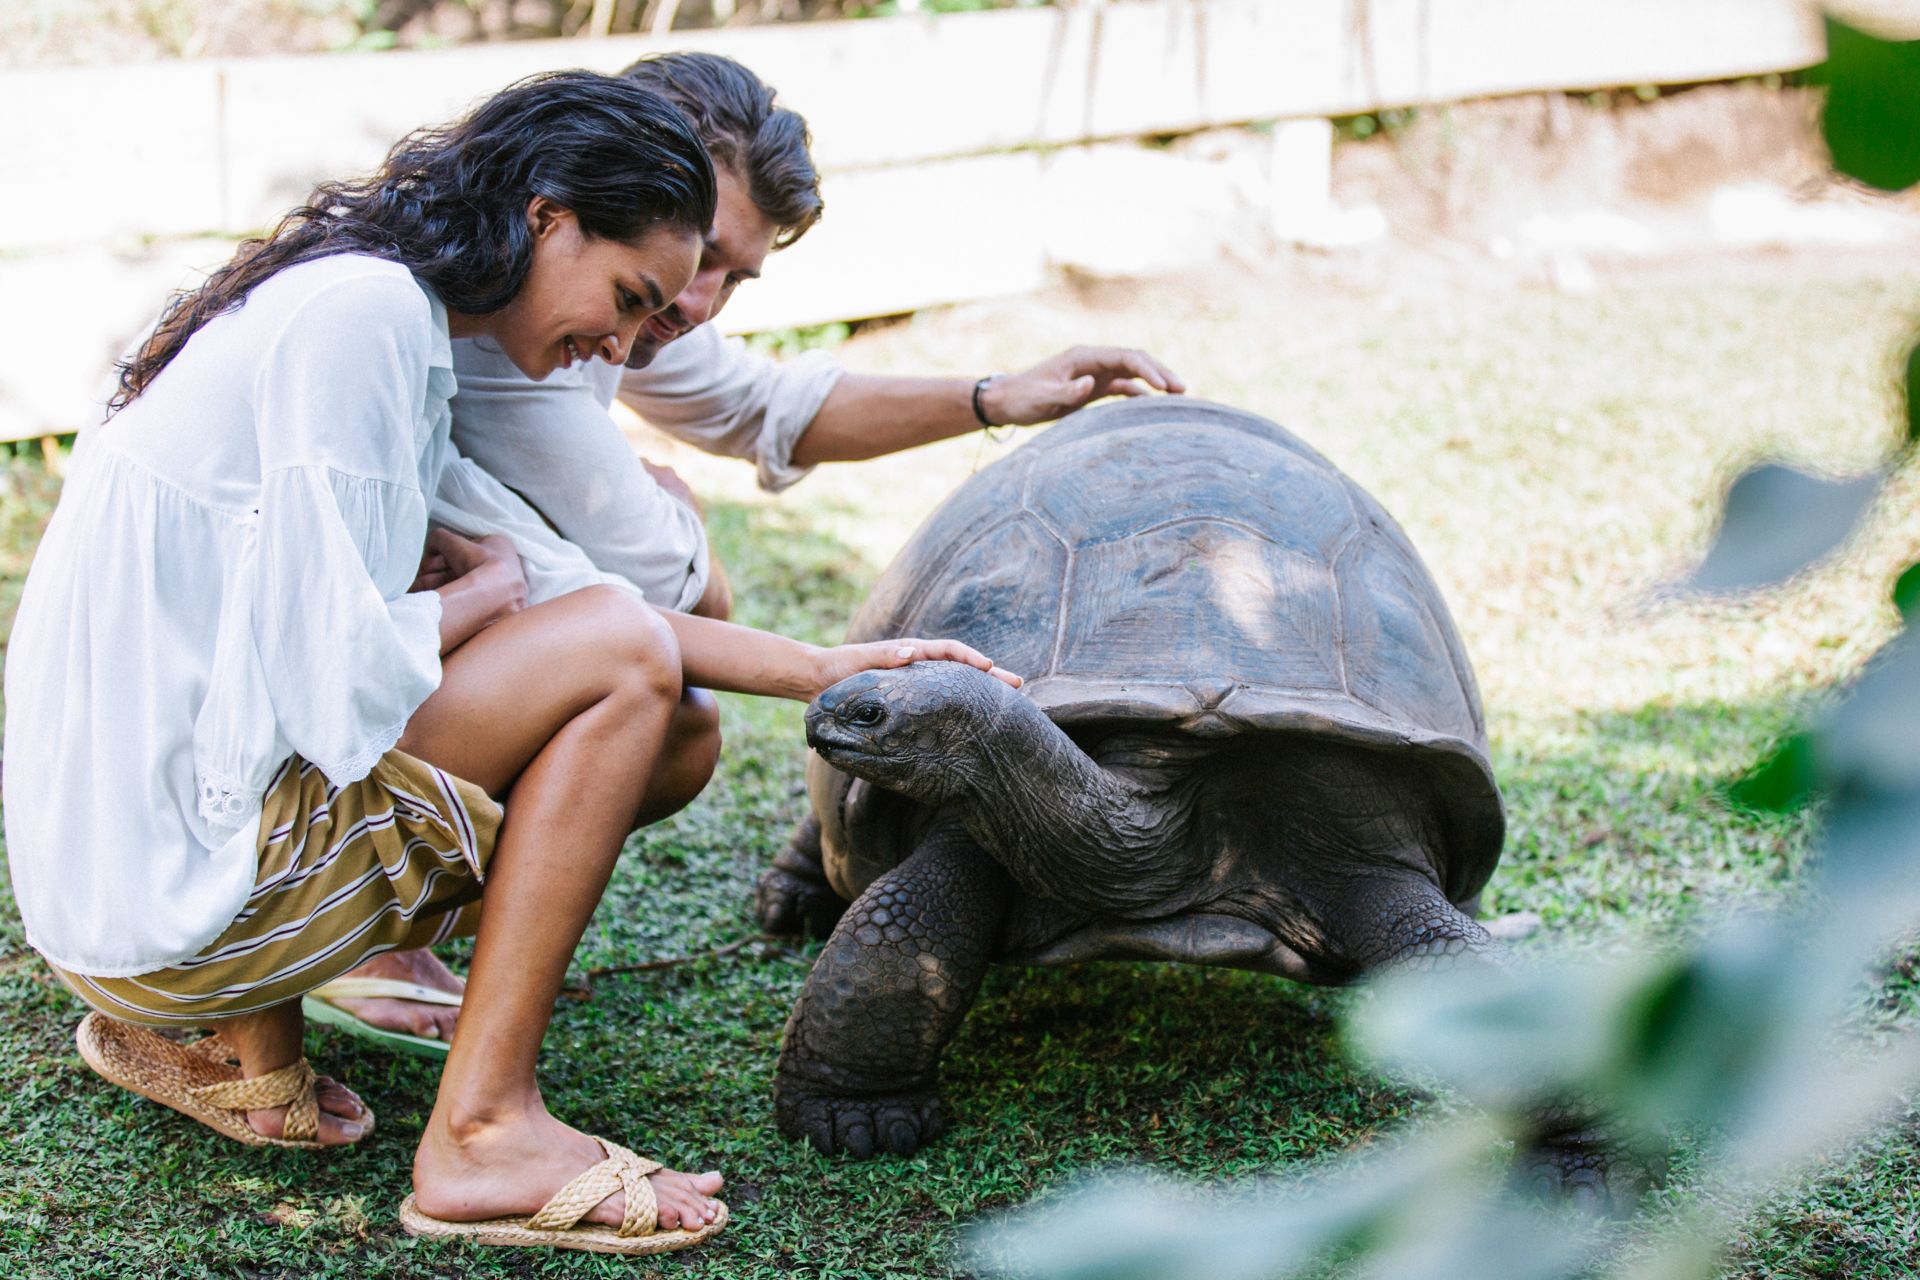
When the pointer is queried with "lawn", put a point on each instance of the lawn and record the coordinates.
(1555, 458)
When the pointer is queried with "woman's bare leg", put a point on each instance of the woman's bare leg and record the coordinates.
(269, 1040)
(685, 765)
(566, 707)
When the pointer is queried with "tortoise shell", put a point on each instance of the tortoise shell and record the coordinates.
(1170, 562)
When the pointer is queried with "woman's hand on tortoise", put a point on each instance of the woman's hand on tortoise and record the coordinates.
(1071, 380)
(836, 664)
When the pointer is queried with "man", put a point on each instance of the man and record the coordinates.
(555, 444)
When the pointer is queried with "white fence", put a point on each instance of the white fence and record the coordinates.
(940, 137)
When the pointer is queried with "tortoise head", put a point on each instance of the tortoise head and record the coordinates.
(922, 730)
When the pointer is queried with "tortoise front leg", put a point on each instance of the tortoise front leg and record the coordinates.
(1403, 920)
(793, 896)
(859, 1062)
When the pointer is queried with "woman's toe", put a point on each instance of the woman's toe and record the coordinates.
(338, 1131)
(336, 1099)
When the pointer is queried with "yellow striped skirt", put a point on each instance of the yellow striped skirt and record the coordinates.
(393, 861)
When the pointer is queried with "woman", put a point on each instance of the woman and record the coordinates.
(254, 737)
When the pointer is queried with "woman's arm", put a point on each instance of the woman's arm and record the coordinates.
(721, 655)
(478, 582)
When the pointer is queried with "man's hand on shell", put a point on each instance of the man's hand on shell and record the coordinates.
(1072, 380)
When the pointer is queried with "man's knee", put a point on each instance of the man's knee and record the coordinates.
(696, 728)
(717, 600)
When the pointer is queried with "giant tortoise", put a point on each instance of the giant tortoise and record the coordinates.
(1250, 736)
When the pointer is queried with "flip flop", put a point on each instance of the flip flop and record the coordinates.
(318, 1005)
(202, 1080)
(557, 1225)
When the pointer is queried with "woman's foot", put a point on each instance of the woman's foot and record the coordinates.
(511, 1167)
(267, 1041)
(410, 1017)
(343, 1117)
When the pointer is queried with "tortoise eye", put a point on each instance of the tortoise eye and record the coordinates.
(867, 715)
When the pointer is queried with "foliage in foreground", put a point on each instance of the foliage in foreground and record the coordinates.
(1734, 1037)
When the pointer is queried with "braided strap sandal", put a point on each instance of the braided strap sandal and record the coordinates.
(558, 1226)
(203, 1080)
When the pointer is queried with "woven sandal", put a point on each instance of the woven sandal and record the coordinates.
(203, 1080)
(557, 1225)
(320, 1007)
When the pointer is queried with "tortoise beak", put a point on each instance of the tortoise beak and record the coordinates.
(826, 731)
(828, 734)
(825, 734)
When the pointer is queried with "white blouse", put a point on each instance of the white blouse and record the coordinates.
(224, 584)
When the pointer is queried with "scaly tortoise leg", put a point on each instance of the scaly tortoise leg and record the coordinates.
(793, 896)
(1395, 921)
(859, 1062)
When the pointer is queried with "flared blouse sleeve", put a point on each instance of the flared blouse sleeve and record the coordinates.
(346, 406)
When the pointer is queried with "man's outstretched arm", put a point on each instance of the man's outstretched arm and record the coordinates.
(865, 416)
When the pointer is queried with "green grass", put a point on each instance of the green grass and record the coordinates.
(1555, 459)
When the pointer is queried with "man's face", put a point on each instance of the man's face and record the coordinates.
(733, 251)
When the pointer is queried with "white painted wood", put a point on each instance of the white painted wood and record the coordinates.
(934, 132)
(896, 240)
(232, 144)
(87, 154)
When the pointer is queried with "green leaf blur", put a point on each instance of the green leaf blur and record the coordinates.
(1872, 119)
(1781, 783)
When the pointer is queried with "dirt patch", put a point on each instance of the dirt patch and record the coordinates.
(1470, 168)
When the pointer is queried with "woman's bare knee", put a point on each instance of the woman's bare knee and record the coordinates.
(636, 648)
(507, 692)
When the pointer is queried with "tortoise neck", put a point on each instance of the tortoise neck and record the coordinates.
(1069, 830)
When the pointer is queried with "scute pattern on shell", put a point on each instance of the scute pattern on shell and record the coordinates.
(1172, 561)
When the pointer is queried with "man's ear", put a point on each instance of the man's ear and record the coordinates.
(544, 217)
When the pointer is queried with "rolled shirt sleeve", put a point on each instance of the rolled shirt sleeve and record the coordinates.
(713, 393)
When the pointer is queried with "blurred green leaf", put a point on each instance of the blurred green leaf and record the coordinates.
(1872, 117)
(1505, 1040)
(1870, 742)
(1693, 1042)
(1872, 844)
(1906, 593)
(1782, 783)
(1911, 389)
(1134, 1225)
(1777, 522)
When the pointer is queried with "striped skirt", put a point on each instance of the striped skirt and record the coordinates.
(391, 862)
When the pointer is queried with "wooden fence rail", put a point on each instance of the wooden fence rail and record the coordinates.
(930, 130)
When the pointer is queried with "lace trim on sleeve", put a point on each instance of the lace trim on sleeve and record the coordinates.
(224, 801)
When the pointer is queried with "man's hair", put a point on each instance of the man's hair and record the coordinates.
(733, 112)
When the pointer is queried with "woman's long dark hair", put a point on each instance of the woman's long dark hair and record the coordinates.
(450, 203)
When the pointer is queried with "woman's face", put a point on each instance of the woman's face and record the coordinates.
(584, 297)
